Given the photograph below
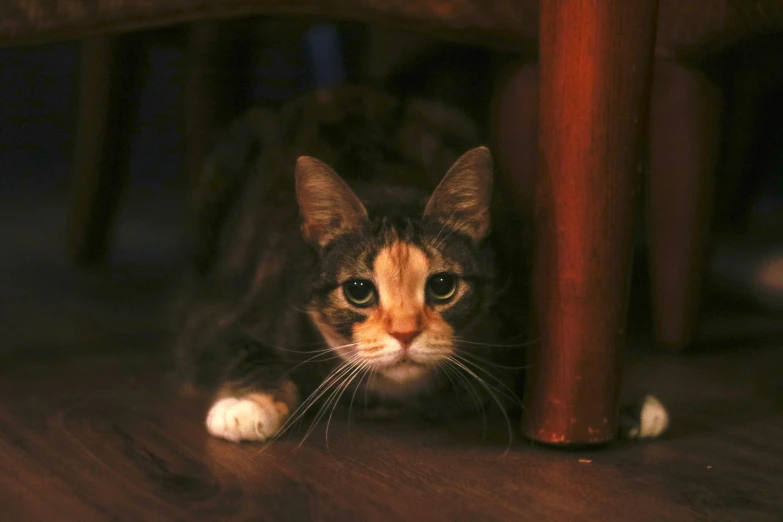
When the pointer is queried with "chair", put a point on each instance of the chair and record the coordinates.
(591, 89)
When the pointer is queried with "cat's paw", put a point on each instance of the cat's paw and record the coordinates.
(254, 417)
(647, 419)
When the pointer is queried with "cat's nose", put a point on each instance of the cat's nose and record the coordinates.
(405, 338)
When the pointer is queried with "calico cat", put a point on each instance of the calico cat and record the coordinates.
(384, 292)
(311, 290)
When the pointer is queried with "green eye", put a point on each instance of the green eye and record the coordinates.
(359, 292)
(441, 287)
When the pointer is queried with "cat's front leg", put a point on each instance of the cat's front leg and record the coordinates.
(251, 415)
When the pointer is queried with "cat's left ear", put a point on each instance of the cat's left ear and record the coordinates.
(328, 206)
(461, 200)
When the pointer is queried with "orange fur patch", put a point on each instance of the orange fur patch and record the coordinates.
(400, 273)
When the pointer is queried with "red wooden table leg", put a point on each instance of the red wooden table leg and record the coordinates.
(684, 138)
(595, 61)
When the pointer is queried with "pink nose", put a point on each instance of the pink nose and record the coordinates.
(405, 338)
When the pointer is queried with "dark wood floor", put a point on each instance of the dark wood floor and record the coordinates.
(92, 429)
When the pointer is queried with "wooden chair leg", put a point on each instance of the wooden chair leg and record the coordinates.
(101, 152)
(515, 140)
(595, 62)
(219, 54)
(515, 146)
(740, 120)
(684, 139)
(202, 81)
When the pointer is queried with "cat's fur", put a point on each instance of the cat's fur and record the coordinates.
(268, 325)
(300, 322)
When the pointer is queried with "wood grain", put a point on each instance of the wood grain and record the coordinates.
(108, 438)
(595, 60)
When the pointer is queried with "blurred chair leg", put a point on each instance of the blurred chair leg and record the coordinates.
(514, 116)
(101, 152)
(595, 63)
(515, 140)
(201, 90)
(515, 146)
(219, 59)
(740, 119)
(684, 139)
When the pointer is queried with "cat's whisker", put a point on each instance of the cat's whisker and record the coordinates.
(459, 224)
(296, 308)
(333, 375)
(392, 253)
(446, 371)
(348, 345)
(324, 347)
(497, 345)
(367, 387)
(348, 382)
(344, 380)
(492, 363)
(372, 358)
(445, 224)
(312, 359)
(454, 227)
(366, 372)
(509, 393)
(315, 395)
(318, 357)
(316, 343)
(474, 395)
(329, 384)
(309, 402)
(490, 390)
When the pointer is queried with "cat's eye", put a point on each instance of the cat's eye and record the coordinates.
(359, 292)
(441, 287)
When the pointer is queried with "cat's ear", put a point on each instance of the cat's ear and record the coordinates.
(328, 206)
(461, 200)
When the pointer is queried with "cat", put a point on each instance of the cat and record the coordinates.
(314, 289)
(391, 286)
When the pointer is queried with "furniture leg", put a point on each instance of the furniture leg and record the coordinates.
(595, 61)
(515, 140)
(101, 152)
(684, 139)
(200, 94)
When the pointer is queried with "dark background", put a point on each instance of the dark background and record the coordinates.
(91, 427)
(38, 97)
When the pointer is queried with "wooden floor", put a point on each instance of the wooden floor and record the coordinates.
(92, 429)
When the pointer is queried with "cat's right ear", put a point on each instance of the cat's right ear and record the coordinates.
(463, 197)
(328, 206)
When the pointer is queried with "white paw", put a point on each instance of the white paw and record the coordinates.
(653, 419)
(257, 417)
